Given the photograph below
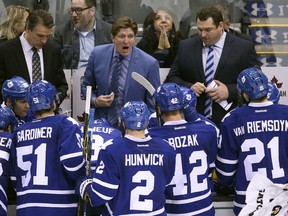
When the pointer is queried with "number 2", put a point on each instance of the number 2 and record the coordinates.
(135, 203)
(180, 178)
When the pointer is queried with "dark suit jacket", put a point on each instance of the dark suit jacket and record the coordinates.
(68, 39)
(187, 69)
(12, 63)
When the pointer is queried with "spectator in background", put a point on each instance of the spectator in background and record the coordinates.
(227, 23)
(14, 23)
(160, 38)
(109, 72)
(81, 34)
(230, 56)
(16, 55)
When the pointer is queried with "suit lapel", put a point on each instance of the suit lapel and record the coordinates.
(226, 52)
(198, 50)
(20, 59)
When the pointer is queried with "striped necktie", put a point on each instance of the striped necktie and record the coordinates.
(114, 87)
(209, 75)
(36, 67)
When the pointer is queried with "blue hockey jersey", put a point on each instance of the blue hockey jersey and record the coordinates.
(195, 143)
(5, 145)
(131, 176)
(254, 140)
(47, 158)
(100, 135)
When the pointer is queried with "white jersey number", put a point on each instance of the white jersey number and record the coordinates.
(180, 178)
(146, 204)
(96, 146)
(258, 148)
(40, 152)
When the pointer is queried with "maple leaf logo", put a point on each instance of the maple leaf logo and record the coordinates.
(81, 118)
(275, 80)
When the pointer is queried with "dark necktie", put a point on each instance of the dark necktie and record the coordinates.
(209, 74)
(36, 67)
(114, 87)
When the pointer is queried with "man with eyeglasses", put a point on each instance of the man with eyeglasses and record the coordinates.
(81, 34)
(120, 59)
(229, 56)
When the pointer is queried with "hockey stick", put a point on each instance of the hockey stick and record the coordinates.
(144, 82)
(88, 128)
(149, 87)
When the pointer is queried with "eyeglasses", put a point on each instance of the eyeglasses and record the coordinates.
(78, 11)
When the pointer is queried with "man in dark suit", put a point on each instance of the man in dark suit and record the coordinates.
(81, 34)
(16, 54)
(231, 55)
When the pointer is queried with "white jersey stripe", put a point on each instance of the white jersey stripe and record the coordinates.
(48, 205)
(59, 192)
(185, 201)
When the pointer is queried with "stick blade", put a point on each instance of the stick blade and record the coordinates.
(144, 82)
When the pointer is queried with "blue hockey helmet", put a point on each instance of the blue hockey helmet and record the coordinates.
(102, 122)
(273, 93)
(15, 89)
(169, 97)
(253, 82)
(7, 117)
(189, 97)
(135, 115)
(41, 95)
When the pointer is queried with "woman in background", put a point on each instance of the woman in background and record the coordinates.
(14, 24)
(160, 38)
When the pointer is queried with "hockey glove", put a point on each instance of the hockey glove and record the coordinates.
(81, 187)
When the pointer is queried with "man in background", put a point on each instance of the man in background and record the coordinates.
(213, 79)
(16, 55)
(81, 34)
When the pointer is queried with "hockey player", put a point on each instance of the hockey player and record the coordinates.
(195, 143)
(273, 93)
(7, 123)
(102, 132)
(131, 173)
(254, 138)
(14, 93)
(47, 157)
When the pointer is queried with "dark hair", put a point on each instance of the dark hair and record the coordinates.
(149, 35)
(124, 22)
(90, 3)
(208, 12)
(39, 17)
